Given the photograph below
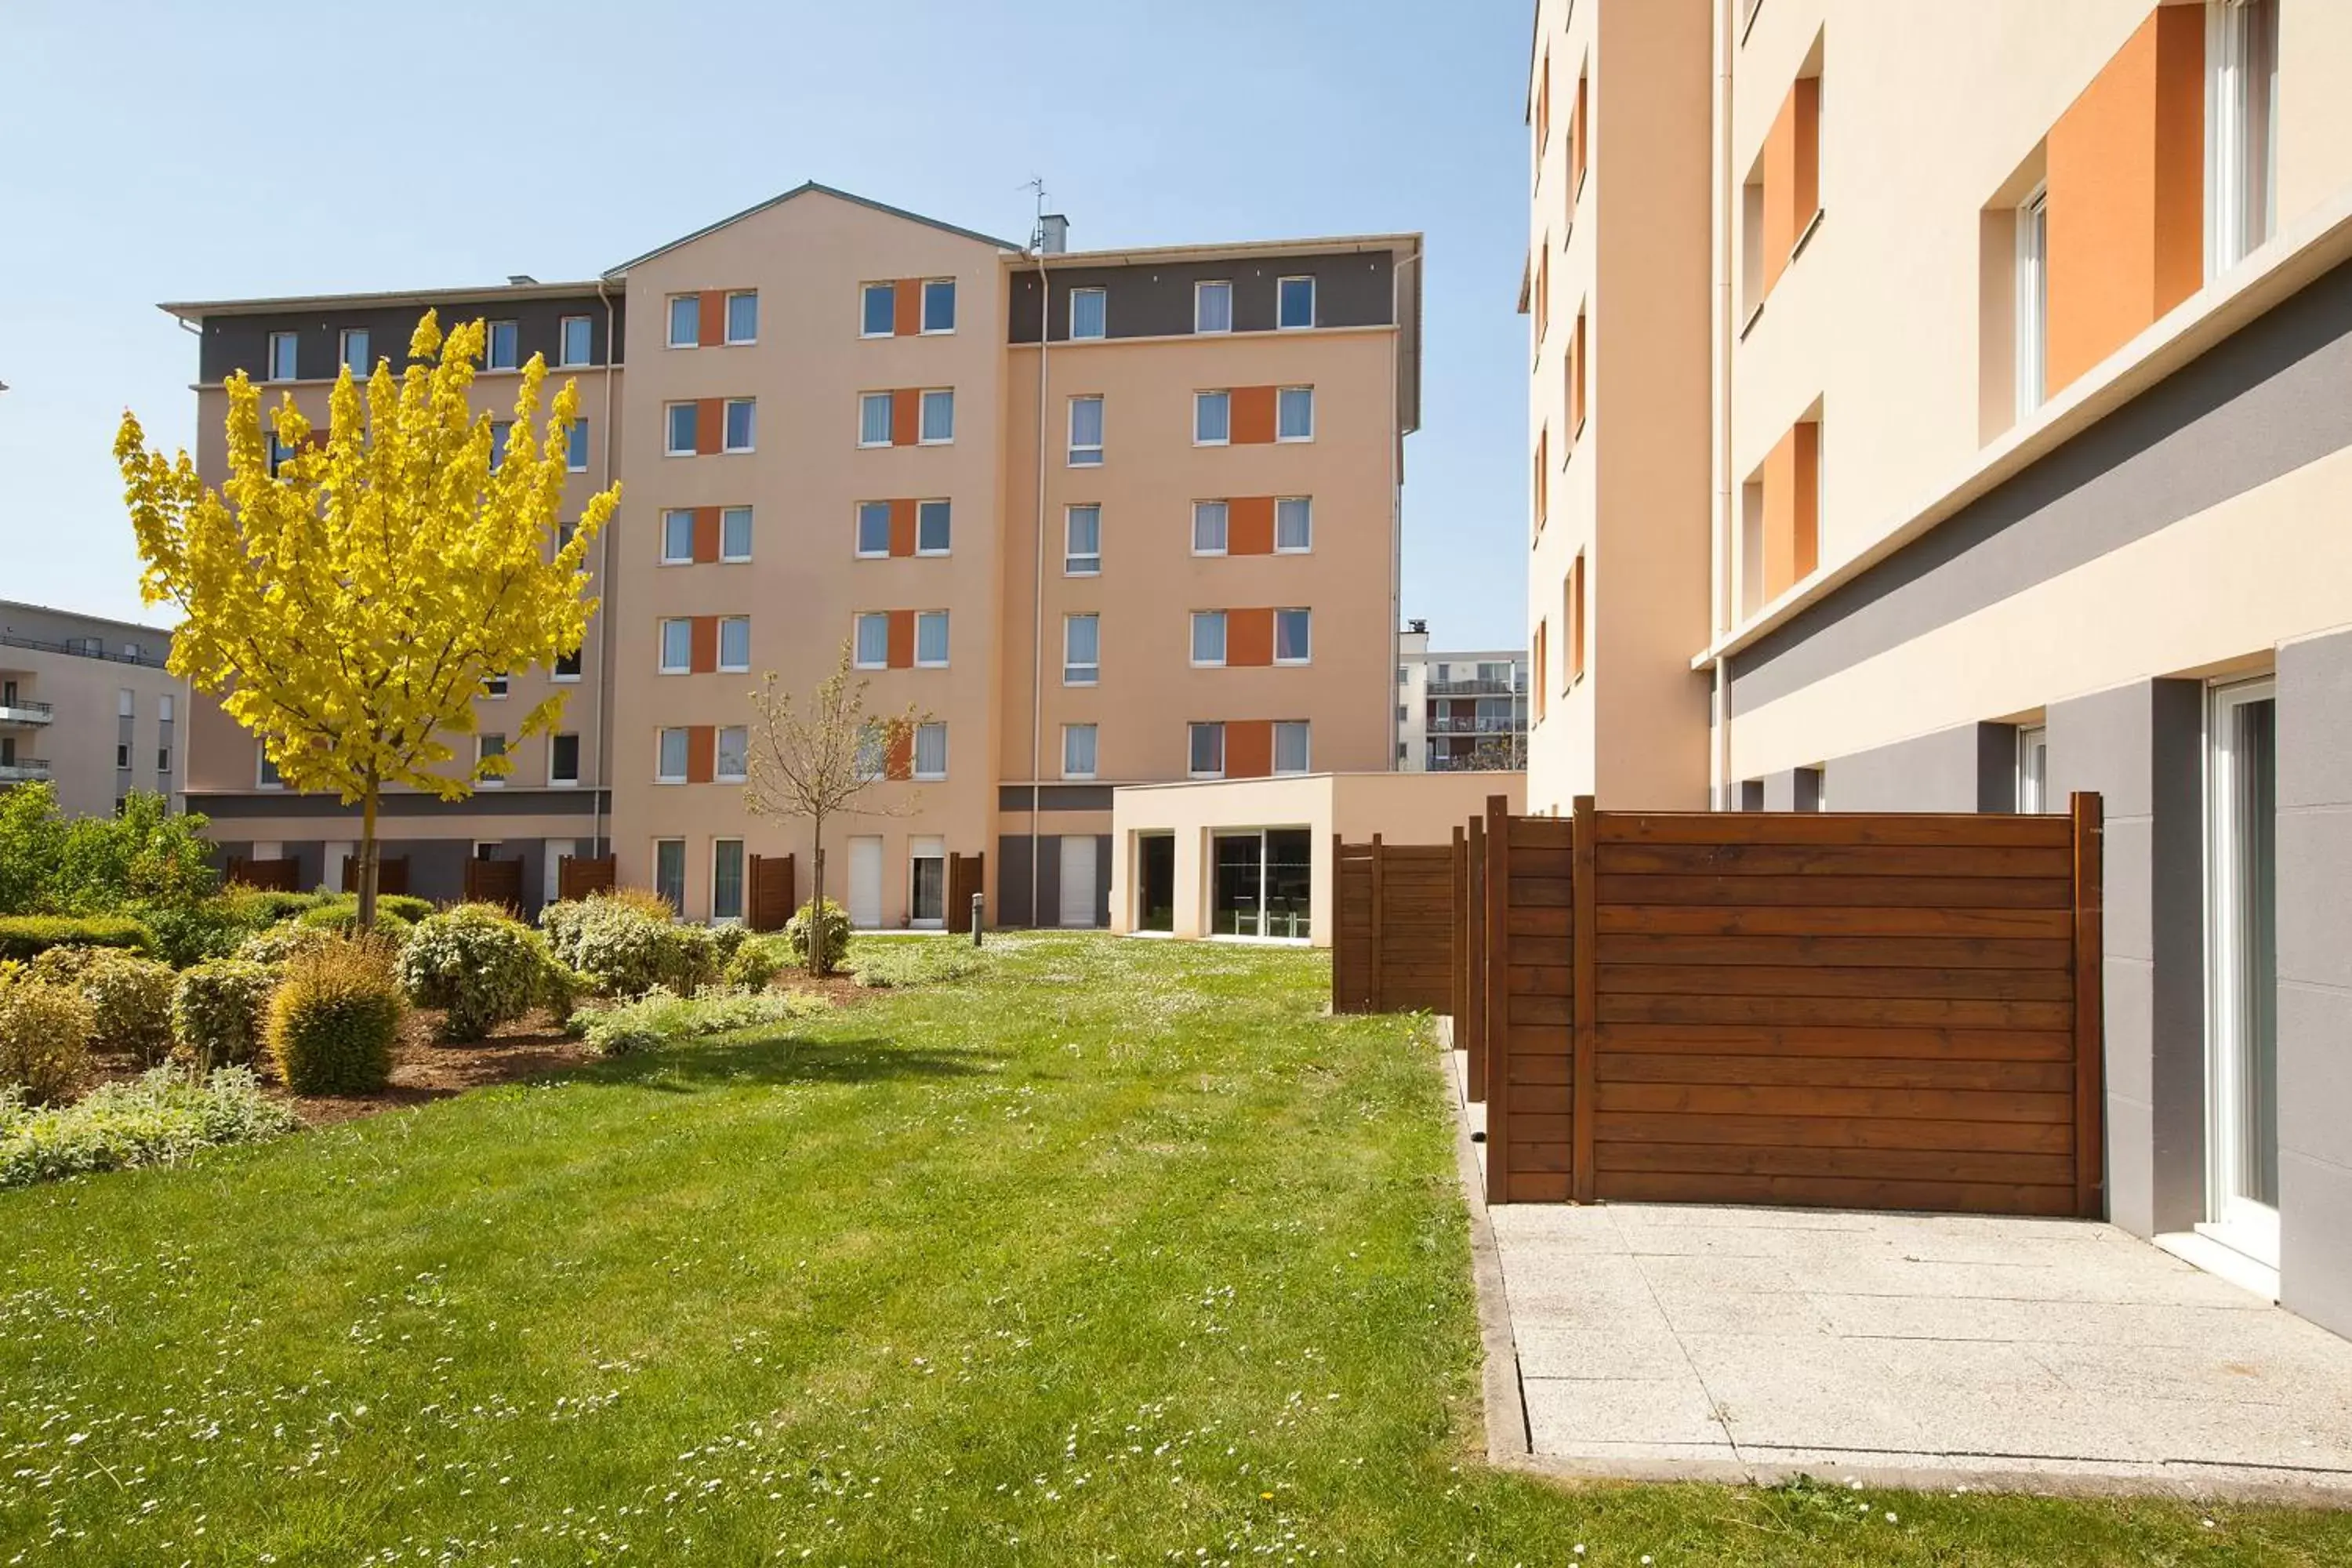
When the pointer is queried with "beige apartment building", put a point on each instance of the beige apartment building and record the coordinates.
(2019, 371)
(1155, 540)
(87, 706)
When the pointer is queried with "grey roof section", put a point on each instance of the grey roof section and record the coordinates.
(197, 309)
(803, 188)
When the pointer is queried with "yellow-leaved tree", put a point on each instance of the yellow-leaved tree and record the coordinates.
(348, 601)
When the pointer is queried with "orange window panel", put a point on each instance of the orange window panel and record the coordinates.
(1539, 685)
(907, 307)
(1576, 125)
(1249, 637)
(1249, 525)
(1543, 107)
(899, 752)
(902, 528)
(906, 416)
(1543, 477)
(710, 426)
(1249, 748)
(1573, 608)
(705, 535)
(702, 644)
(1543, 288)
(1792, 508)
(712, 328)
(1576, 377)
(1792, 174)
(1252, 411)
(901, 655)
(701, 750)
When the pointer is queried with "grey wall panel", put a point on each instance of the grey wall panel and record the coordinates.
(1012, 904)
(1102, 881)
(242, 342)
(1147, 299)
(1944, 772)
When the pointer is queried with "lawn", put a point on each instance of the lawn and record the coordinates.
(1112, 1252)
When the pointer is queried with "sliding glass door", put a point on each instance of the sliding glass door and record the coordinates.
(2241, 970)
(1262, 883)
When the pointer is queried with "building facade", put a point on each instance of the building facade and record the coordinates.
(2072, 287)
(1463, 711)
(1157, 539)
(86, 705)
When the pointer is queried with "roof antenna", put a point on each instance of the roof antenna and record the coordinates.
(1036, 185)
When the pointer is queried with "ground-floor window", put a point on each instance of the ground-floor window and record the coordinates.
(1155, 882)
(927, 890)
(669, 871)
(1262, 883)
(727, 879)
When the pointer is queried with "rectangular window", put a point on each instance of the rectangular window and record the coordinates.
(680, 422)
(873, 650)
(685, 321)
(1208, 636)
(1207, 749)
(505, 346)
(1077, 751)
(878, 311)
(489, 749)
(2240, 129)
(162, 707)
(874, 528)
(563, 760)
(743, 424)
(1082, 542)
(1209, 520)
(931, 639)
(735, 534)
(931, 751)
(567, 665)
(163, 759)
(743, 316)
(1089, 312)
(266, 774)
(725, 879)
(501, 437)
(355, 353)
(575, 445)
(873, 418)
(1085, 432)
(676, 647)
(1294, 638)
(938, 305)
(1295, 304)
(2033, 302)
(280, 454)
(735, 643)
(1212, 307)
(1211, 418)
(126, 703)
(495, 687)
(1290, 748)
(1081, 649)
(669, 763)
(1294, 525)
(933, 528)
(938, 417)
(282, 356)
(873, 751)
(1573, 616)
(732, 755)
(122, 754)
(669, 871)
(574, 342)
(1294, 417)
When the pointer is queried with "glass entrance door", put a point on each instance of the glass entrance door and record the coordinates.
(927, 905)
(1263, 884)
(1155, 903)
(1237, 893)
(2241, 970)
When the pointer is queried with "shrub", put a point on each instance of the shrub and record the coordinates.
(90, 865)
(130, 998)
(661, 1017)
(218, 1010)
(343, 918)
(835, 926)
(44, 1037)
(752, 967)
(24, 936)
(159, 1120)
(257, 908)
(190, 933)
(728, 941)
(334, 1017)
(624, 949)
(281, 944)
(477, 961)
(914, 960)
(560, 987)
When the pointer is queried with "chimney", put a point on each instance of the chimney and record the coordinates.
(1053, 234)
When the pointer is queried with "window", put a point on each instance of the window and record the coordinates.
(735, 534)
(1211, 418)
(280, 454)
(563, 760)
(669, 762)
(501, 437)
(681, 423)
(669, 871)
(2033, 302)
(505, 346)
(938, 417)
(1294, 414)
(930, 639)
(1085, 432)
(265, 774)
(931, 751)
(2240, 129)
(685, 321)
(489, 749)
(163, 759)
(743, 424)
(567, 665)
(676, 647)
(735, 643)
(1290, 751)
(1081, 649)
(2033, 769)
(1082, 542)
(126, 703)
(938, 305)
(1294, 638)
(873, 637)
(1077, 751)
(355, 353)
(1208, 636)
(879, 310)
(1089, 312)
(1207, 748)
(162, 707)
(743, 316)
(1295, 302)
(933, 527)
(725, 879)
(496, 686)
(1208, 519)
(1572, 617)
(732, 755)
(1294, 525)
(281, 355)
(574, 342)
(1212, 307)
(575, 445)
(122, 754)
(873, 751)
(874, 418)
(873, 528)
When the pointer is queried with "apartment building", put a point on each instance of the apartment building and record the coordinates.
(2029, 431)
(1155, 540)
(1457, 712)
(87, 706)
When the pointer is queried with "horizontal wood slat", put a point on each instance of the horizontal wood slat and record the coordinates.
(1922, 952)
(1826, 980)
(1794, 919)
(1889, 892)
(1830, 827)
(1832, 1192)
(1840, 1072)
(1834, 860)
(1916, 1164)
(1832, 1132)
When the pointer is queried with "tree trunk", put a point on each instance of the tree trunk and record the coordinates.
(819, 960)
(367, 859)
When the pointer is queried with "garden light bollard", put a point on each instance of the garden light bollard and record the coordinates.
(975, 919)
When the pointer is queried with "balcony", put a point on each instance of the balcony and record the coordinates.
(22, 712)
(23, 770)
(1449, 726)
(1497, 760)
(83, 647)
(1475, 689)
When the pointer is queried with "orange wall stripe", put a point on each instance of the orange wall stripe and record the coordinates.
(706, 534)
(1249, 525)
(710, 426)
(1249, 748)
(702, 655)
(1249, 637)
(902, 528)
(701, 748)
(1253, 415)
(902, 640)
(907, 307)
(712, 325)
(906, 416)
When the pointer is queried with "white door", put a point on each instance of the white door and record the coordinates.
(334, 871)
(2241, 971)
(1078, 879)
(926, 883)
(552, 886)
(865, 883)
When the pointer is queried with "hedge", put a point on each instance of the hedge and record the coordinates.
(27, 936)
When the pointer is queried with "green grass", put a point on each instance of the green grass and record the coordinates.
(1110, 1252)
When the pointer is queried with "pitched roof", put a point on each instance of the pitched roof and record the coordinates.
(803, 188)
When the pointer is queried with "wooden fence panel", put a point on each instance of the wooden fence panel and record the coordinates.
(1473, 963)
(494, 882)
(1351, 936)
(270, 876)
(967, 875)
(769, 904)
(391, 873)
(577, 875)
(1393, 949)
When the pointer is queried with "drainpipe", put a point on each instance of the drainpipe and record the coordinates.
(1396, 500)
(1726, 587)
(1037, 593)
(604, 582)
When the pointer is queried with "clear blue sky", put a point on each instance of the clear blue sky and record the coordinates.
(160, 150)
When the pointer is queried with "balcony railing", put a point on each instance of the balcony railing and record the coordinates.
(1475, 688)
(18, 710)
(1497, 760)
(1451, 726)
(82, 647)
(23, 770)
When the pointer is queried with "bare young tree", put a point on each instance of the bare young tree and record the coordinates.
(817, 759)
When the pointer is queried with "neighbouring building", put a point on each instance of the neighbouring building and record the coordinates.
(1101, 517)
(87, 705)
(2070, 286)
(1459, 711)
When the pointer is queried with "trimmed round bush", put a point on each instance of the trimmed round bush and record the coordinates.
(282, 942)
(478, 963)
(130, 998)
(335, 1018)
(44, 1034)
(754, 965)
(626, 950)
(257, 908)
(218, 1011)
(344, 919)
(834, 926)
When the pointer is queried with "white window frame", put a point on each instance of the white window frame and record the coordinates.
(1094, 745)
(1192, 640)
(923, 307)
(265, 772)
(922, 616)
(556, 672)
(670, 449)
(922, 549)
(661, 646)
(889, 420)
(575, 445)
(866, 289)
(1075, 672)
(553, 781)
(490, 346)
(1200, 292)
(857, 531)
(677, 903)
(1307, 657)
(1086, 457)
(2239, 219)
(1308, 503)
(483, 753)
(915, 752)
(2033, 309)
(1072, 324)
(293, 341)
(720, 659)
(343, 351)
(1199, 394)
(726, 425)
(746, 514)
(719, 772)
(1071, 554)
(1190, 730)
(685, 754)
(742, 882)
(496, 687)
(669, 321)
(1283, 392)
(727, 324)
(1312, 302)
(563, 325)
(857, 623)
(2034, 768)
(1224, 514)
(1275, 761)
(923, 436)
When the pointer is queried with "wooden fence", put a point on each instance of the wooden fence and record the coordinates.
(967, 875)
(1393, 950)
(768, 903)
(577, 875)
(271, 875)
(494, 882)
(1883, 1011)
